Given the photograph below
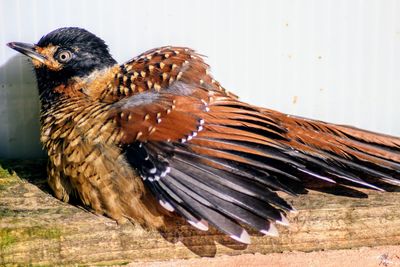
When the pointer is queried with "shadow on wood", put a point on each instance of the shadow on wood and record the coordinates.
(36, 228)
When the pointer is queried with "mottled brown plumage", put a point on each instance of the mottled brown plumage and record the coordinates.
(158, 135)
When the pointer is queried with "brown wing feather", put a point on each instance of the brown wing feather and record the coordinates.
(167, 117)
(158, 69)
(342, 140)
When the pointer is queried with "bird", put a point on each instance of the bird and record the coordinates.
(158, 137)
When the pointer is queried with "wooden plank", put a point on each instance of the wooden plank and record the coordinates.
(36, 228)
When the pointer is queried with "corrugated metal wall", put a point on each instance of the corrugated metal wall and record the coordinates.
(334, 60)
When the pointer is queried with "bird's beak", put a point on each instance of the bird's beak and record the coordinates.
(28, 50)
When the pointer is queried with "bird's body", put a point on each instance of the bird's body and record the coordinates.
(158, 135)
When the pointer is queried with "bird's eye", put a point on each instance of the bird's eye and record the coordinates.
(64, 56)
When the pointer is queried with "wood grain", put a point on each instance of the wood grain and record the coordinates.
(36, 228)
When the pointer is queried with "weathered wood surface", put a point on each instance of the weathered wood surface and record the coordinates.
(36, 228)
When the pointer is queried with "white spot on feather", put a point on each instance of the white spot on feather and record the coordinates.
(201, 225)
(164, 173)
(243, 237)
(272, 231)
(166, 205)
(283, 221)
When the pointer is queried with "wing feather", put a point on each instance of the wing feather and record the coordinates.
(214, 159)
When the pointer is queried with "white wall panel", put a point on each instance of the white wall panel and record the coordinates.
(334, 60)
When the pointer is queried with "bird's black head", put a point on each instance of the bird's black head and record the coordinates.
(65, 53)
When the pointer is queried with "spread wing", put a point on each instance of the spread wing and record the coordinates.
(213, 159)
(202, 163)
